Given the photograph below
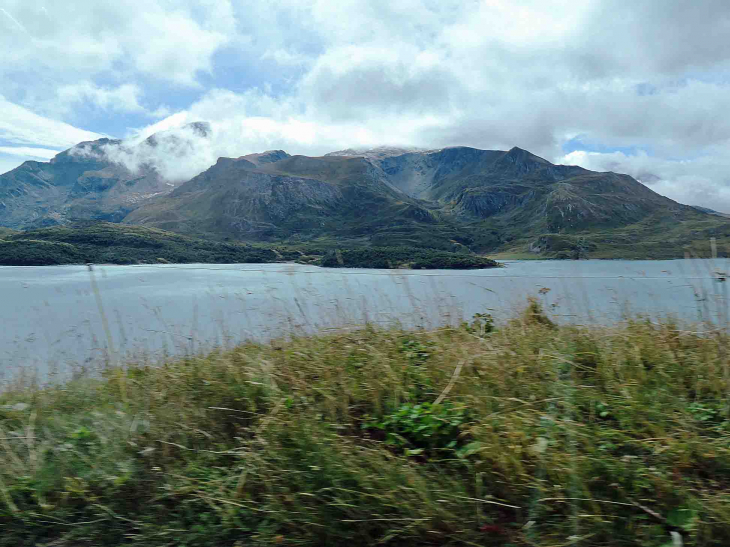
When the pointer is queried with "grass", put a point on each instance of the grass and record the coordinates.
(527, 434)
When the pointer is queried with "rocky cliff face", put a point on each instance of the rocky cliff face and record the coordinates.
(487, 202)
(480, 184)
(275, 195)
(444, 174)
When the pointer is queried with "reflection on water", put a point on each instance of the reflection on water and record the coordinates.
(51, 321)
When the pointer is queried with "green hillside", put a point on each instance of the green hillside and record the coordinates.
(107, 243)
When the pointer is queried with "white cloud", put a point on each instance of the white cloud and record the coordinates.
(488, 74)
(311, 76)
(284, 57)
(170, 122)
(18, 125)
(164, 39)
(176, 47)
(162, 111)
(124, 98)
(28, 152)
(239, 128)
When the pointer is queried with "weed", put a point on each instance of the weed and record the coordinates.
(481, 325)
(424, 428)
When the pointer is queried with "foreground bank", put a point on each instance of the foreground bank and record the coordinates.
(528, 435)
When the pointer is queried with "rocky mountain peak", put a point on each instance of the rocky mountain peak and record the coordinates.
(92, 180)
(377, 153)
(195, 129)
(270, 156)
(202, 129)
(383, 195)
(519, 156)
(84, 151)
(242, 162)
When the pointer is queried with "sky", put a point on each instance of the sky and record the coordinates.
(635, 87)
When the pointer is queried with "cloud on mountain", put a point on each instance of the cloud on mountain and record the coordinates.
(311, 76)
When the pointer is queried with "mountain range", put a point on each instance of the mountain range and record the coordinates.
(454, 199)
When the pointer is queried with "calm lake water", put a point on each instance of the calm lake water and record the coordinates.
(51, 323)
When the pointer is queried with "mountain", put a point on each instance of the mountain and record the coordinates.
(84, 183)
(377, 153)
(480, 184)
(710, 211)
(456, 198)
(294, 197)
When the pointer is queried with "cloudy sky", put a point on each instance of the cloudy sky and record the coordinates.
(641, 87)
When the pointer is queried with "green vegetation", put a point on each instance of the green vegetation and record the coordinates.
(660, 236)
(457, 200)
(107, 243)
(523, 434)
(104, 242)
(5, 232)
(395, 257)
(663, 236)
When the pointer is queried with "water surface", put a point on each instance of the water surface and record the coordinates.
(51, 322)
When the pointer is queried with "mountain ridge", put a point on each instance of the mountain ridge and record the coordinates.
(456, 198)
(450, 198)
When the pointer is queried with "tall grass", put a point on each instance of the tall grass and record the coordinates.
(526, 434)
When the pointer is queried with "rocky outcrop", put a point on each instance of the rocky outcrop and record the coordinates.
(446, 173)
(486, 202)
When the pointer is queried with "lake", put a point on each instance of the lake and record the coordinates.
(52, 324)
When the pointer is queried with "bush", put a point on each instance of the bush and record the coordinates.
(404, 257)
